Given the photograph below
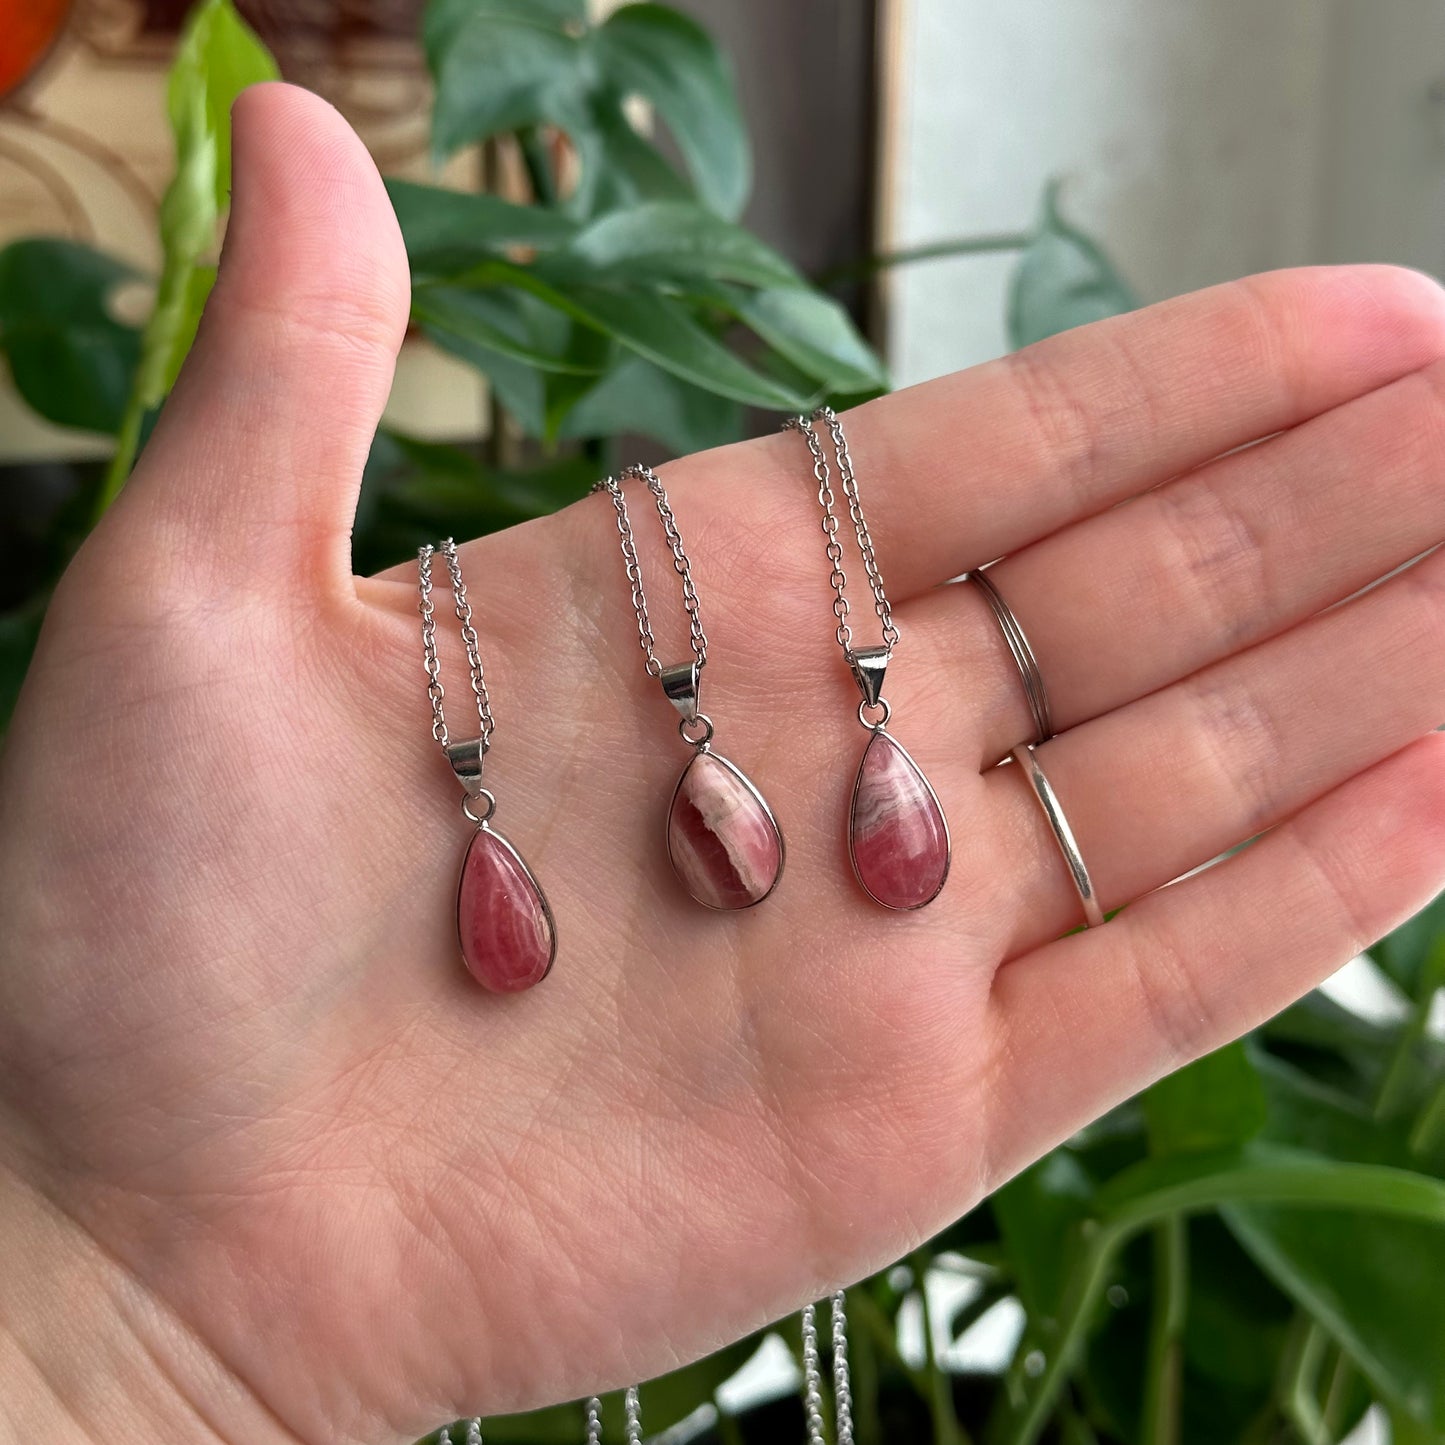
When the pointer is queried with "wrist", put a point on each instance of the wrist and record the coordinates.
(87, 1352)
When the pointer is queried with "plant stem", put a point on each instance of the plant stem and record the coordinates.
(1303, 1357)
(538, 164)
(1402, 1056)
(863, 1309)
(1337, 1388)
(946, 1427)
(1274, 1177)
(1163, 1380)
(127, 443)
(933, 251)
(1431, 1124)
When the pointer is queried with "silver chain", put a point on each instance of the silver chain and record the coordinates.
(473, 1435)
(435, 691)
(813, 1374)
(594, 1421)
(812, 1378)
(632, 1409)
(680, 564)
(826, 499)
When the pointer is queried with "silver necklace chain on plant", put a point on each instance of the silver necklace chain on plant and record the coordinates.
(722, 838)
(813, 1374)
(897, 835)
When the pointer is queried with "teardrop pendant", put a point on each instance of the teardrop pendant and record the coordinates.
(897, 834)
(504, 923)
(724, 843)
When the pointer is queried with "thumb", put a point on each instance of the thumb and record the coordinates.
(252, 473)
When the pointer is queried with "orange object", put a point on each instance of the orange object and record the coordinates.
(28, 28)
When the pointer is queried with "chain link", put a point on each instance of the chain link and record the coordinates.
(813, 1375)
(594, 1421)
(827, 500)
(812, 1378)
(680, 564)
(435, 691)
(842, 1378)
(632, 1410)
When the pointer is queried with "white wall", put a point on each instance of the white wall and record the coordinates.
(1197, 139)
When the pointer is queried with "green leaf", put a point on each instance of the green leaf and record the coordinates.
(218, 57)
(447, 231)
(654, 326)
(1405, 954)
(638, 397)
(1062, 280)
(1372, 1282)
(1038, 1213)
(1214, 1103)
(815, 334)
(494, 319)
(619, 167)
(498, 68)
(670, 60)
(661, 330)
(442, 19)
(676, 241)
(71, 360)
(519, 386)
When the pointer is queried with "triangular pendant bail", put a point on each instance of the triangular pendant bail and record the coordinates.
(682, 683)
(869, 664)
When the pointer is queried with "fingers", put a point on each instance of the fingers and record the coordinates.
(1174, 779)
(253, 470)
(962, 470)
(1230, 554)
(1194, 965)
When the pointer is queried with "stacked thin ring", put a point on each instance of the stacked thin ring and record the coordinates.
(1048, 801)
(1023, 655)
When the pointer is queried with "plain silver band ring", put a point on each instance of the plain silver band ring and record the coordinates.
(1048, 801)
(1023, 654)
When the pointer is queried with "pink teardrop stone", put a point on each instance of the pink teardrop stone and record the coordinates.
(896, 834)
(503, 922)
(721, 838)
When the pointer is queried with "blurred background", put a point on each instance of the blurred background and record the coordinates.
(648, 229)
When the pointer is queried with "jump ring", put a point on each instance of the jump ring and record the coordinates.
(1023, 656)
(1048, 801)
(687, 724)
(874, 724)
(489, 806)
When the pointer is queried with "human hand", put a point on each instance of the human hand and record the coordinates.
(273, 1166)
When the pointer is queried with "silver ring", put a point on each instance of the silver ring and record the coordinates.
(1048, 801)
(1023, 655)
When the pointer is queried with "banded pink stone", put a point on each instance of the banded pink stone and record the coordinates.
(724, 845)
(503, 921)
(896, 832)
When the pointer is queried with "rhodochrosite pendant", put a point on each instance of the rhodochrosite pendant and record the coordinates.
(724, 843)
(722, 838)
(897, 834)
(504, 923)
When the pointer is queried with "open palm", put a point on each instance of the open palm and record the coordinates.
(325, 1187)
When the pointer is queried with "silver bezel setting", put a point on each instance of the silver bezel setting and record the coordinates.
(878, 732)
(506, 842)
(706, 750)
